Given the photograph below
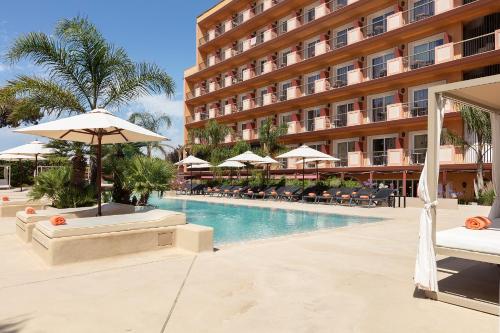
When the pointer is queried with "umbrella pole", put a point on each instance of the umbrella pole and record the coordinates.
(21, 173)
(99, 172)
(317, 172)
(36, 165)
(191, 172)
(303, 174)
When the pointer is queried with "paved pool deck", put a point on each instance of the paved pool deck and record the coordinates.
(352, 279)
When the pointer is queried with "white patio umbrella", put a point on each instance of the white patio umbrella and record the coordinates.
(247, 157)
(268, 161)
(316, 160)
(191, 161)
(231, 165)
(304, 152)
(35, 148)
(97, 127)
(19, 158)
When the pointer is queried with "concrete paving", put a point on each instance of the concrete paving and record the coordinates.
(352, 279)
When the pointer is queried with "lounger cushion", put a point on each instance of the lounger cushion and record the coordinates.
(483, 241)
(107, 209)
(155, 218)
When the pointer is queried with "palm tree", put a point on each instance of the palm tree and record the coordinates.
(211, 138)
(83, 72)
(269, 136)
(477, 122)
(153, 122)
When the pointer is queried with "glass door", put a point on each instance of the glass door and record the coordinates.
(379, 65)
(343, 150)
(423, 54)
(341, 113)
(379, 150)
(341, 77)
(379, 107)
(311, 80)
(419, 103)
(310, 116)
(419, 149)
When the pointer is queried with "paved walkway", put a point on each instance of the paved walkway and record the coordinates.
(352, 279)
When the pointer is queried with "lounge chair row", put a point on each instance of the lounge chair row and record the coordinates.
(312, 194)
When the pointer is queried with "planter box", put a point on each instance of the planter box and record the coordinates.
(228, 108)
(228, 81)
(354, 35)
(293, 127)
(228, 53)
(321, 48)
(354, 118)
(212, 86)
(292, 92)
(268, 99)
(321, 85)
(247, 104)
(395, 66)
(354, 159)
(247, 74)
(441, 6)
(321, 123)
(269, 34)
(444, 53)
(269, 66)
(354, 76)
(266, 4)
(292, 24)
(247, 15)
(321, 11)
(246, 45)
(395, 157)
(395, 21)
(292, 58)
(395, 111)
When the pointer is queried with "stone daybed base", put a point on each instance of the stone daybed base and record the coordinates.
(98, 237)
(10, 208)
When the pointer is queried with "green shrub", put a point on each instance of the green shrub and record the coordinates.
(487, 195)
(350, 183)
(55, 184)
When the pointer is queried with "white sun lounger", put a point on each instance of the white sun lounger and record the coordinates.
(106, 236)
(14, 205)
(25, 223)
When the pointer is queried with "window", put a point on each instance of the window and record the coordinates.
(260, 66)
(311, 83)
(310, 15)
(341, 76)
(341, 114)
(341, 37)
(285, 118)
(379, 24)
(418, 105)
(310, 116)
(423, 54)
(419, 149)
(260, 37)
(260, 98)
(379, 107)
(421, 9)
(311, 49)
(379, 65)
(379, 150)
(284, 91)
(343, 150)
(284, 58)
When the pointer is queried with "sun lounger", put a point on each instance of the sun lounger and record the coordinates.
(363, 195)
(227, 190)
(14, 205)
(276, 193)
(106, 236)
(263, 193)
(237, 193)
(250, 192)
(384, 195)
(25, 223)
(345, 196)
(328, 196)
(289, 192)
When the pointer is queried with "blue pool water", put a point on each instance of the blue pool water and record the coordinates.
(235, 223)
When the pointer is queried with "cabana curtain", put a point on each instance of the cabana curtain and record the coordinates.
(425, 267)
(495, 141)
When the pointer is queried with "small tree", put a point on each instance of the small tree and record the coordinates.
(269, 136)
(153, 122)
(477, 122)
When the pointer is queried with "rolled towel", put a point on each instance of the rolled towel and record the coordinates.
(273, 193)
(346, 196)
(311, 194)
(326, 195)
(262, 193)
(339, 192)
(5, 198)
(477, 223)
(354, 193)
(249, 192)
(30, 210)
(57, 220)
(288, 193)
(364, 197)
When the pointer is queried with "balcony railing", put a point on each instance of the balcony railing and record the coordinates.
(417, 156)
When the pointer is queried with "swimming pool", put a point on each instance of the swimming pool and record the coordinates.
(235, 223)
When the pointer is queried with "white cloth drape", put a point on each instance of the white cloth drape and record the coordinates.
(495, 141)
(425, 266)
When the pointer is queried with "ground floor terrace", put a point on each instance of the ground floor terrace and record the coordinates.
(351, 279)
(456, 180)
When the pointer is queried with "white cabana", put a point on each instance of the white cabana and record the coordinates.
(304, 152)
(96, 127)
(457, 242)
(19, 158)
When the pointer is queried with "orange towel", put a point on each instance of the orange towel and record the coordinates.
(262, 193)
(57, 220)
(312, 194)
(250, 192)
(288, 193)
(5, 198)
(326, 195)
(30, 210)
(274, 193)
(354, 193)
(477, 223)
(338, 192)
(364, 197)
(346, 196)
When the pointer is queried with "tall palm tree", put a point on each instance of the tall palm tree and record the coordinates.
(212, 137)
(83, 71)
(478, 123)
(269, 136)
(153, 122)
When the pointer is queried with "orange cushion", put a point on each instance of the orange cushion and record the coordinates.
(345, 196)
(326, 195)
(364, 197)
(57, 220)
(274, 193)
(30, 210)
(262, 193)
(312, 194)
(5, 198)
(338, 192)
(354, 193)
(288, 193)
(250, 192)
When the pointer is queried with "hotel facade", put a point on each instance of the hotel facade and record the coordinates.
(347, 77)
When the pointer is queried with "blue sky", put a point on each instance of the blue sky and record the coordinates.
(160, 31)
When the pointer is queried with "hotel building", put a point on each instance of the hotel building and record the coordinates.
(348, 77)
